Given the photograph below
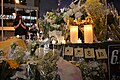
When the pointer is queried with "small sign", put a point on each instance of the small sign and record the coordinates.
(89, 53)
(79, 52)
(69, 51)
(101, 54)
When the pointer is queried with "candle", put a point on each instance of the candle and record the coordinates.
(79, 40)
(53, 42)
(18, 36)
(73, 34)
(63, 41)
(88, 34)
(109, 39)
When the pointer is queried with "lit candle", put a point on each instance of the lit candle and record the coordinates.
(88, 34)
(53, 41)
(79, 40)
(63, 41)
(73, 34)
(18, 36)
(109, 39)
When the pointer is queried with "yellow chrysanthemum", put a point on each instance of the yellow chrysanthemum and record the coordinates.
(13, 64)
(77, 65)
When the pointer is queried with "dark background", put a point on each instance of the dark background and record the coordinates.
(48, 5)
(116, 4)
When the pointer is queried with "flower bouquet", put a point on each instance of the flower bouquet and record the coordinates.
(92, 70)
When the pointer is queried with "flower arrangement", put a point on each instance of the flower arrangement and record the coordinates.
(74, 11)
(80, 12)
(22, 65)
(52, 21)
(17, 53)
(90, 12)
(92, 70)
(47, 66)
(98, 12)
(12, 64)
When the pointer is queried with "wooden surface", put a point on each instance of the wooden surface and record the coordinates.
(7, 28)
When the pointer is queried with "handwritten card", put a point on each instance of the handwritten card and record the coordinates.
(68, 51)
(101, 54)
(79, 52)
(89, 53)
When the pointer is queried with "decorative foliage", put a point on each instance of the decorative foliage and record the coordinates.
(75, 11)
(89, 12)
(17, 53)
(32, 46)
(101, 15)
(26, 66)
(92, 70)
(98, 12)
(47, 66)
(52, 21)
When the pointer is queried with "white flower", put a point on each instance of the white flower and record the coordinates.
(76, 9)
(50, 21)
(55, 26)
(93, 64)
(70, 12)
(66, 16)
(21, 74)
(2, 59)
(78, 15)
(27, 53)
(94, 73)
(39, 52)
(72, 5)
(62, 10)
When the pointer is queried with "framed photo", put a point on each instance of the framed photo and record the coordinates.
(79, 52)
(101, 54)
(68, 51)
(89, 53)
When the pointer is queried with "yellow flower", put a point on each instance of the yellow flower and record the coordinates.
(77, 65)
(13, 64)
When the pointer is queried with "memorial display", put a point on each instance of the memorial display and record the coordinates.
(80, 42)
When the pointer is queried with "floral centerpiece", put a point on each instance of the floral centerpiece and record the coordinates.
(79, 12)
(104, 18)
(23, 64)
(92, 70)
(52, 21)
(90, 12)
